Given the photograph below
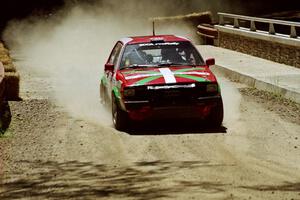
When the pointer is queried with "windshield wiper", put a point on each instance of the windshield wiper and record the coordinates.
(134, 66)
(174, 64)
(168, 64)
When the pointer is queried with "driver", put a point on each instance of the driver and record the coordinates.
(171, 55)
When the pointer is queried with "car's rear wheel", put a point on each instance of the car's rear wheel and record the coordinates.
(216, 116)
(119, 117)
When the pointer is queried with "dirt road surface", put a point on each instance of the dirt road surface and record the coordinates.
(50, 154)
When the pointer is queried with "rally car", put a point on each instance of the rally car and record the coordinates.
(158, 78)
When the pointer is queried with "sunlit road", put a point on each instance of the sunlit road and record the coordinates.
(54, 154)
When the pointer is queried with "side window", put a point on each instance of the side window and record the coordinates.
(115, 53)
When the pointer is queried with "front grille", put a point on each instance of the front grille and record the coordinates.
(172, 96)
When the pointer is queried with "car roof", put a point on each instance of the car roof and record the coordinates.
(148, 39)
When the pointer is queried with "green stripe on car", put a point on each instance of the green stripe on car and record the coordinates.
(195, 78)
(189, 69)
(146, 80)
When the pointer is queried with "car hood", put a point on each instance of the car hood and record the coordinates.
(166, 75)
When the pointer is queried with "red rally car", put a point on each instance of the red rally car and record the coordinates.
(160, 77)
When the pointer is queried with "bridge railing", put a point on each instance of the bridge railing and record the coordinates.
(235, 21)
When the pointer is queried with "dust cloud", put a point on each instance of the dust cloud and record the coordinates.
(231, 100)
(72, 46)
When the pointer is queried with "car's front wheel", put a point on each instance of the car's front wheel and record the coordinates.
(119, 117)
(215, 118)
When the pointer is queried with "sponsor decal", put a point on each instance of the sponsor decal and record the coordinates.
(166, 87)
(159, 44)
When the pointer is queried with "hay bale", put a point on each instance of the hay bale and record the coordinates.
(11, 77)
(9, 68)
(6, 59)
(3, 50)
(194, 18)
(12, 86)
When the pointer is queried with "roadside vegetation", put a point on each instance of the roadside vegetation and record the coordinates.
(285, 108)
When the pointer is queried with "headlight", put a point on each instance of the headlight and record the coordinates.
(129, 92)
(212, 88)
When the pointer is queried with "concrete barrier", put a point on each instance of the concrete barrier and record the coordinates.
(259, 84)
(245, 34)
(255, 72)
(208, 33)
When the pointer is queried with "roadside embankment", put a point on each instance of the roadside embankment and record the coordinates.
(12, 77)
(9, 86)
(256, 72)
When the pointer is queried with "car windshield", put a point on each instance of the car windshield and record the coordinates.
(160, 54)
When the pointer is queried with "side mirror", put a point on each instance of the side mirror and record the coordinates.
(210, 61)
(109, 67)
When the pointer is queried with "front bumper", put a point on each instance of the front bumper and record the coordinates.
(200, 108)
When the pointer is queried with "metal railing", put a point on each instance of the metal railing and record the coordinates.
(254, 20)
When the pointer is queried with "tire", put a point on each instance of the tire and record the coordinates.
(119, 117)
(5, 116)
(215, 118)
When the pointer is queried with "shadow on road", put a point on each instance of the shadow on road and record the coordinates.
(171, 127)
(285, 187)
(141, 180)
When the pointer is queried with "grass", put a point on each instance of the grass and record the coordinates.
(4, 134)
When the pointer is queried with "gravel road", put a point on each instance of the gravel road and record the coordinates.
(50, 154)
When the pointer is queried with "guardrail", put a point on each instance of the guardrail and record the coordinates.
(254, 20)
